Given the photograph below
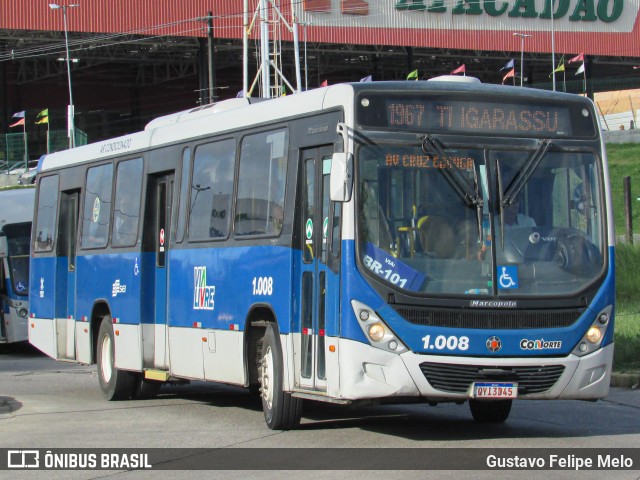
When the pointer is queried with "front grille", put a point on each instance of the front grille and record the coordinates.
(488, 319)
(458, 378)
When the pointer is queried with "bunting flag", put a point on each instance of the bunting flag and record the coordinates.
(580, 70)
(19, 122)
(43, 117)
(368, 78)
(510, 73)
(325, 83)
(19, 115)
(560, 67)
(509, 64)
(413, 75)
(460, 69)
(577, 58)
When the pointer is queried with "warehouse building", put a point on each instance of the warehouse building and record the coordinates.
(131, 61)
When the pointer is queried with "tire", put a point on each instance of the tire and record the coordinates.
(115, 384)
(490, 411)
(145, 389)
(281, 410)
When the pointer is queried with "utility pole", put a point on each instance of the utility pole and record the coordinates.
(522, 37)
(212, 71)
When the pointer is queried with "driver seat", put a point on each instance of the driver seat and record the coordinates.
(436, 236)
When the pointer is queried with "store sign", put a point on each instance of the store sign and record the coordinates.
(576, 10)
(397, 13)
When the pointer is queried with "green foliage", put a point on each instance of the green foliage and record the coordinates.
(16, 187)
(627, 326)
(624, 160)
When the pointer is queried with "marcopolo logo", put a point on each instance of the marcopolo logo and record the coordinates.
(203, 294)
(541, 344)
(493, 303)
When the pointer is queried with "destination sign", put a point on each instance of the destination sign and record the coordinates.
(444, 115)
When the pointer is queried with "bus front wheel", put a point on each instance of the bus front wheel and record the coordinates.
(493, 411)
(281, 410)
(115, 384)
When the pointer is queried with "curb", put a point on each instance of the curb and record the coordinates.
(625, 380)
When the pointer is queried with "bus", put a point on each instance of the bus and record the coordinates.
(16, 214)
(347, 244)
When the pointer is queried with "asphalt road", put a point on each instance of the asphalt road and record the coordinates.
(51, 405)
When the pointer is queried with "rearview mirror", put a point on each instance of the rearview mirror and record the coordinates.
(341, 183)
(4, 248)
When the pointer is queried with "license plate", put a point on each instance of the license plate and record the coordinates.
(495, 390)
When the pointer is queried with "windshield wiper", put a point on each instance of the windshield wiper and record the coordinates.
(518, 183)
(467, 192)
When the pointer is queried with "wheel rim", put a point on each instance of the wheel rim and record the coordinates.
(266, 377)
(106, 363)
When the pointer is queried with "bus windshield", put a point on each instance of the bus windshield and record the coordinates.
(521, 220)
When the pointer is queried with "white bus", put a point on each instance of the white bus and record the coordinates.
(16, 213)
(388, 241)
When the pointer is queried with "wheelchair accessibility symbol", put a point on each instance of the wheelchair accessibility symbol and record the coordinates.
(507, 277)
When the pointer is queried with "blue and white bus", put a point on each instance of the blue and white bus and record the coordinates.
(16, 214)
(352, 243)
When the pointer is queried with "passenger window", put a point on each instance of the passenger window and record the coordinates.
(97, 207)
(126, 214)
(261, 184)
(184, 195)
(47, 213)
(211, 190)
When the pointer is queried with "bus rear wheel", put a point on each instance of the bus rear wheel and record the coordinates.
(490, 411)
(115, 384)
(281, 410)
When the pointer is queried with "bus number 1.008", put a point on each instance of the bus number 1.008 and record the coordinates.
(262, 285)
(446, 343)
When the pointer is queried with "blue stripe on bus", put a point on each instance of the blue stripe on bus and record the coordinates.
(224, 279)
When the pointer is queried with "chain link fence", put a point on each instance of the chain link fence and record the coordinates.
(12, 147)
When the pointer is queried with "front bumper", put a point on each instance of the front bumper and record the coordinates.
(368, 373)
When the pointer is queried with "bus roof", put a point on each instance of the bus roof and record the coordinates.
(16, 205)
(231, 114)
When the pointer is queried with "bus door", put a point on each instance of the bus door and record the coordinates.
(65, 299)
(3, 331)
(318, 295)
(155, 288)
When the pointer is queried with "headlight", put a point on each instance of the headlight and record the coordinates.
(22, 313)
(594, 335)
(592, 340)
(377, 332)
